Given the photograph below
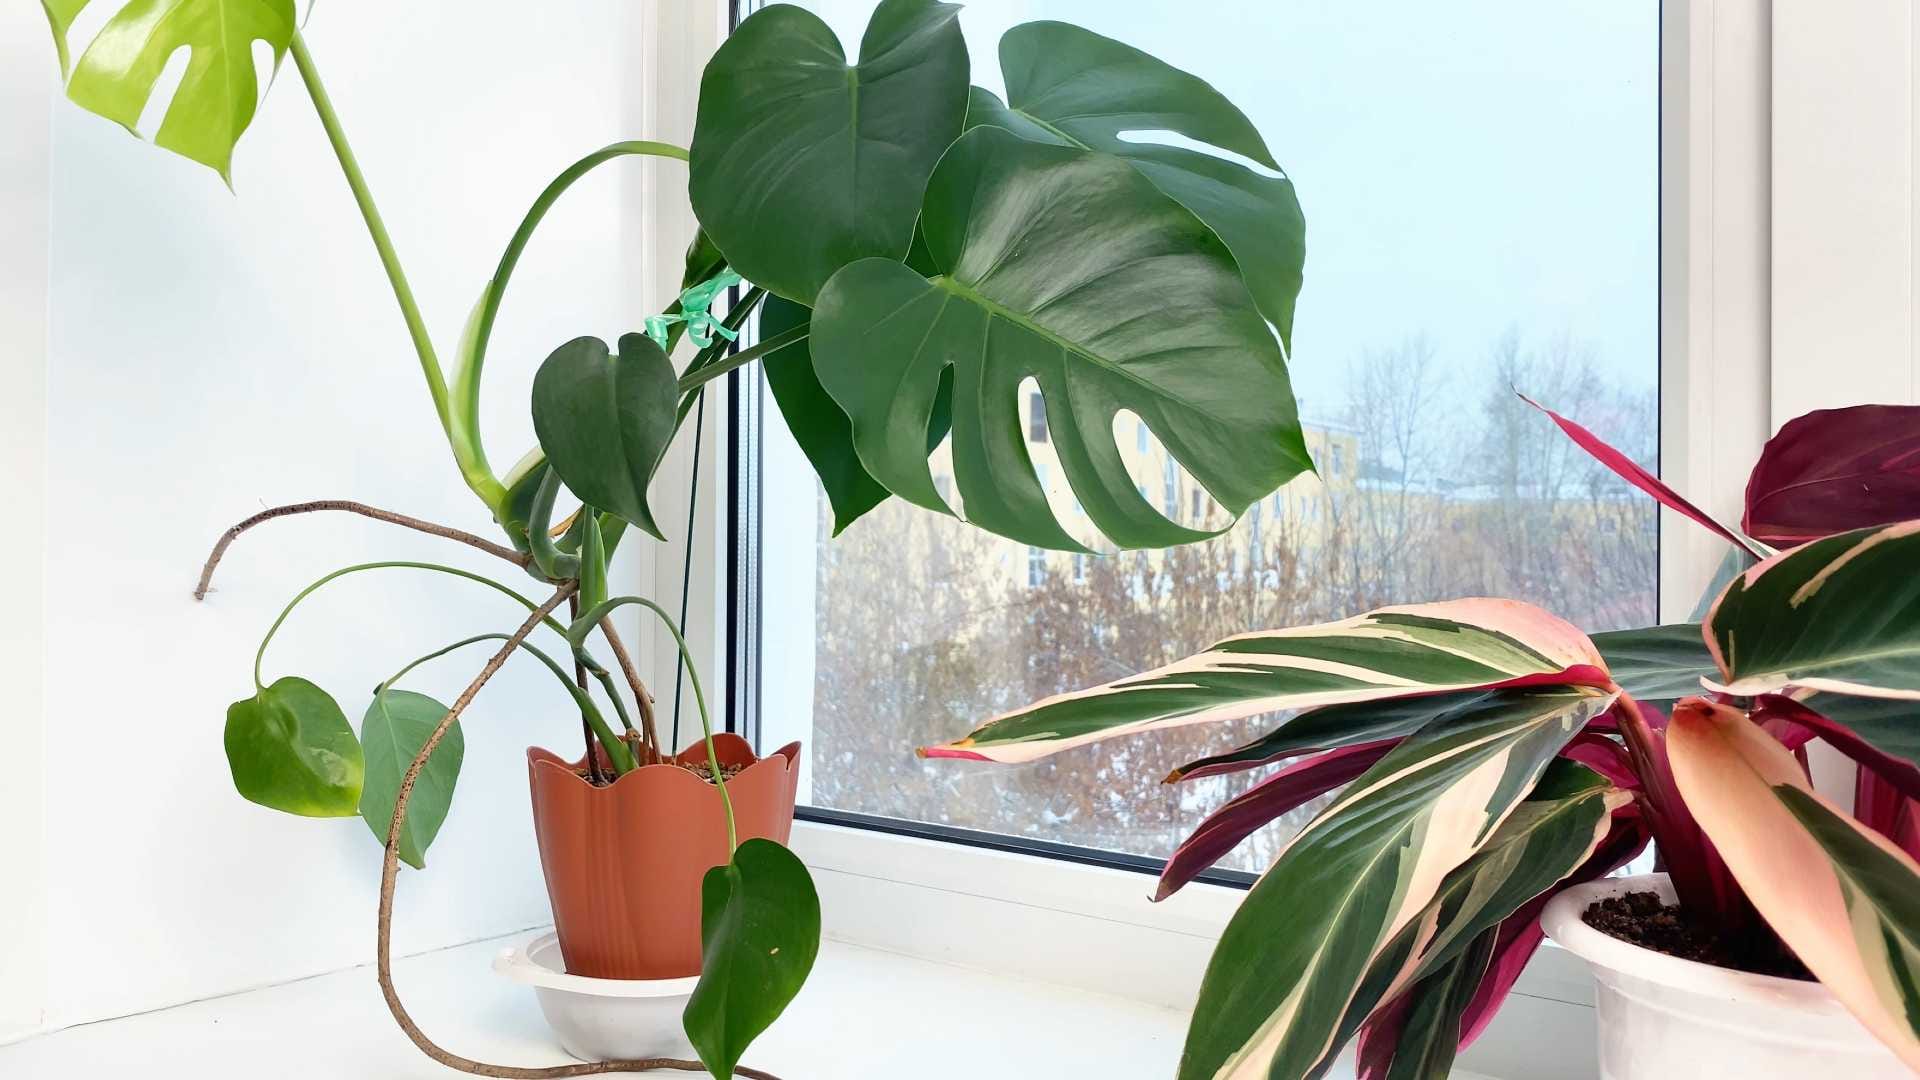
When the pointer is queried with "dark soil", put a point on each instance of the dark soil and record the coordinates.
(1641, 918)
(699, 769)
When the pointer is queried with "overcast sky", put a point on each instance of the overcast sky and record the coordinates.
(1465, 167)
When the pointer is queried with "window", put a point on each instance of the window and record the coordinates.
(1404, 362)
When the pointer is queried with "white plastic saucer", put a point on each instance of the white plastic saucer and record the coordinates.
(601, 1019)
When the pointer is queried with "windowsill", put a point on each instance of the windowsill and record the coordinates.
(864, 1014)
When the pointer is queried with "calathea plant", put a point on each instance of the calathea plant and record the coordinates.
(1488, 754)
(917, 246)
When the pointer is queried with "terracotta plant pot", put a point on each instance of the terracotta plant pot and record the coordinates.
(624, 862)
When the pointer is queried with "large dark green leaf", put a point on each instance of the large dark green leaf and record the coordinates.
(1657, 663)
(1841, 613)
(289, 747)
(759, 933)
(1073, 87)
(802, 164)
(605, 420)
(1337, 913)
(818, 423)
(395, 728)
(1067, 267)
(215, 100)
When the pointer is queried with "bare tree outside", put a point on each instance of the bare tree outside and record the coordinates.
(1430, 487)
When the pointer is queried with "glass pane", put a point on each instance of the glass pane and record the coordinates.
(1480, 183)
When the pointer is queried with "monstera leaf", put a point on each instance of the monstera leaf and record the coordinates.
(395, 728)
(1073, 87)
(605, 420)
(1147, 314)
(289, 748)
(801, 163)
(216, 97)
(759, 934)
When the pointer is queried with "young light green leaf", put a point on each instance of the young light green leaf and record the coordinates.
(605, 421)
(1841, 613)
(395, 728)
(216, 98)
(1362, 895)
(289, 747)
(759, 933)
(801, 163)
(60, 16)
(1395, 652)
(1158, 324)
(1073, 87)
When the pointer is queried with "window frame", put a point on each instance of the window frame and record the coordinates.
(886, 884)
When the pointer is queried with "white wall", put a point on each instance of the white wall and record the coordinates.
(211, 354)
(25, 92)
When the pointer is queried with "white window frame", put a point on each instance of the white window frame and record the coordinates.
(1764, 194)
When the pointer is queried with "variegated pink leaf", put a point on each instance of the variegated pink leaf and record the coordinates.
(1394, 652)
(1251, 810)
(1842, 897)
(1839, 614)
(1630, 471)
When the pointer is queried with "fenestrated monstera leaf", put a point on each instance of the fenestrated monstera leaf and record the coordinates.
(219, 92)
(802, 164)
(1074, 87)
(1149, 315)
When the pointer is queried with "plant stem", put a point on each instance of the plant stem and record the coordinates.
(348, 506)
(580, 680)
(345, 570)
(390, 881)
(477, 476)
(598, 616)
(693, 380)
(649, 732)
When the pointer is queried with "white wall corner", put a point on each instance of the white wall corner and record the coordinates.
(27, 84)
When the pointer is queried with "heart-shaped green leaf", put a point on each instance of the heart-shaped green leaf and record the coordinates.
(802, 164)
(819, 425)
(1072, 87)
(396, 727)
(759, 933)
(1146, 313)
(289, 747)
(216, 97)
(605, 420)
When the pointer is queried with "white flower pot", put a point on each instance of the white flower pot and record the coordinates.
(602, 1019)
(1663, 1018)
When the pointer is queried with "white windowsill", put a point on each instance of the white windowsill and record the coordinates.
(864, 1014)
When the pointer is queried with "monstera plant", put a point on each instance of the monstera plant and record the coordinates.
(1487, 755)
(917, 248)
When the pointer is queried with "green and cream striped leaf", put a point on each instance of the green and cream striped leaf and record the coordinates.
(1357, 888)
(1841, 613)
(1390, 653)
(1426, 1023)
(1845, 899)
(1563, 821)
